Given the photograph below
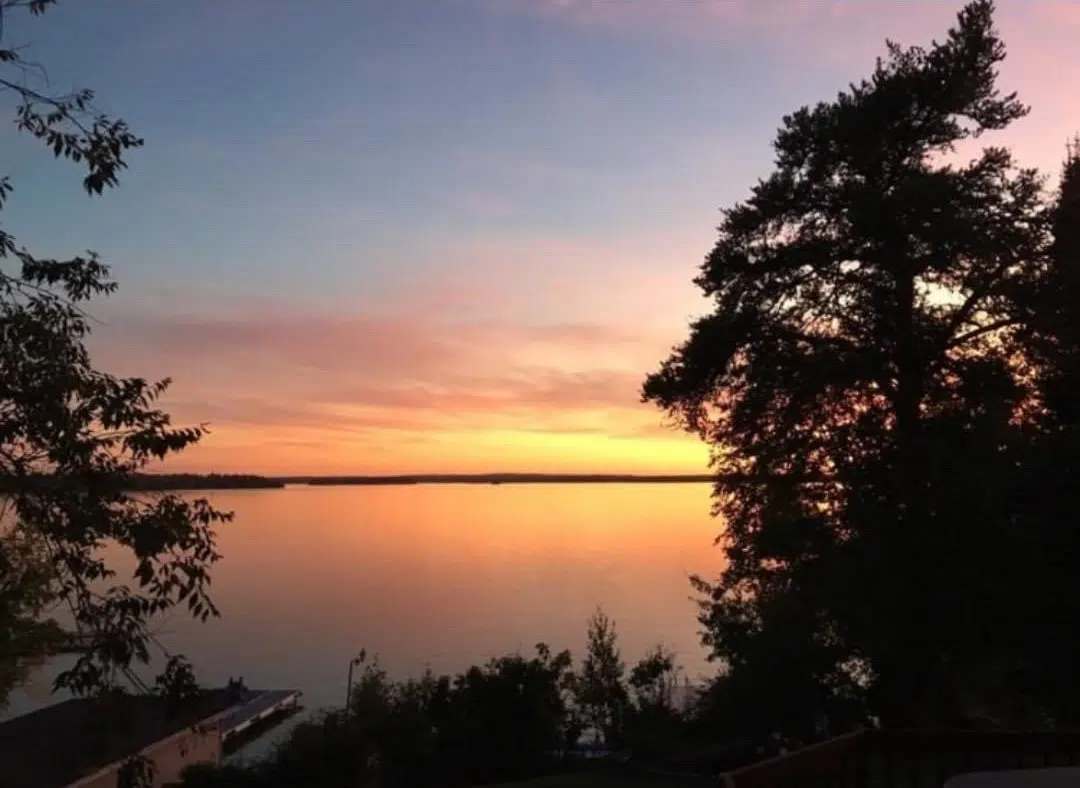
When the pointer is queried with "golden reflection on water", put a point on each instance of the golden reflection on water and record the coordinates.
(444, 576)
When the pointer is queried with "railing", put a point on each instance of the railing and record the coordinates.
(907, 759)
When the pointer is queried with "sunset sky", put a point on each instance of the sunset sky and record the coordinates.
(381, 236)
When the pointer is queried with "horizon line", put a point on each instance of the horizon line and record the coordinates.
(437, 475)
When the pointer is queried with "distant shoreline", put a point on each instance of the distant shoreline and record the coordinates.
(499, 478)
(178, 482)
(160, 482)
(142, 482)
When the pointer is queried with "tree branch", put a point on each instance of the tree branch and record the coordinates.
(981, 331)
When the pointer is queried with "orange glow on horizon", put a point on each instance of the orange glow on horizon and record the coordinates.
(296, 451)
(295, 393)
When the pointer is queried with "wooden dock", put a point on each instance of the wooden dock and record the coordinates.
(264, 711)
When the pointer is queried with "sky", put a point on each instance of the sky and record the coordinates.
(394, 236)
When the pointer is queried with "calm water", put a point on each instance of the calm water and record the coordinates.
(441, 576)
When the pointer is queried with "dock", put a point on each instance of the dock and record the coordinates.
(265, 710)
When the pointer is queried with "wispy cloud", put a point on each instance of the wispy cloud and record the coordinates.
(286, 381)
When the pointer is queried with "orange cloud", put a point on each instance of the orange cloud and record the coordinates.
(304, 392)
(642, 281)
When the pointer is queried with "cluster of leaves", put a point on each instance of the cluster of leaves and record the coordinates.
(634, 712)
(887, 382)
(72, 437)
(27, 591)
(512, 718)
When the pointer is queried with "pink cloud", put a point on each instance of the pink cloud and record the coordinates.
(641, 281)
(359, 374)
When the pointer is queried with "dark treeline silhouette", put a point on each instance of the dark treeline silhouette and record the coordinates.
(512, 718)
(201, 481)
(140, 482)
(889, 380)
(503, 478)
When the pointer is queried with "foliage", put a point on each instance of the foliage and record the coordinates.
(512, 718)
(653, 679)
(327, 751)
(176, 684)
(600, 689)
(865, 384)
(136, 771)
(71, 436)
(653, 724)
(27, 590)
(503, 720)
(510, 713)
(1053, 470)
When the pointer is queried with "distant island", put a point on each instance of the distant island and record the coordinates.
(145, 482)
(200, 481)
(502, 478)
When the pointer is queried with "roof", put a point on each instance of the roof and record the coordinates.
(59, 744)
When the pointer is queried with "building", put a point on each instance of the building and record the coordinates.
(67, 745)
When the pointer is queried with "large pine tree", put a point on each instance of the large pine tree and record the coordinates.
(861, 378)
(1051, 506)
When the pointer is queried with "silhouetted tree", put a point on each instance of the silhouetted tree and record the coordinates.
(781, 676)
(653, 725)
(861, 380)
(72, 436)
(1050, 504)
(329, 750)
(653, 679)
(600, 689)
(511, 712)
(500, 721)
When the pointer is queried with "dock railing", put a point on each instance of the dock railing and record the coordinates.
(907, 758)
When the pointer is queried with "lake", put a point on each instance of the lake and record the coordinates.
(441, 576)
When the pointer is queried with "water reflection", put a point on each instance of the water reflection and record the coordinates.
(443, 576)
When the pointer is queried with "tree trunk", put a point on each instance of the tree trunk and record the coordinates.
(911, 668)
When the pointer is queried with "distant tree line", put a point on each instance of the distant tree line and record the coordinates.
(503, 478)
(200, 481)
(137, 482)
(888, 379)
